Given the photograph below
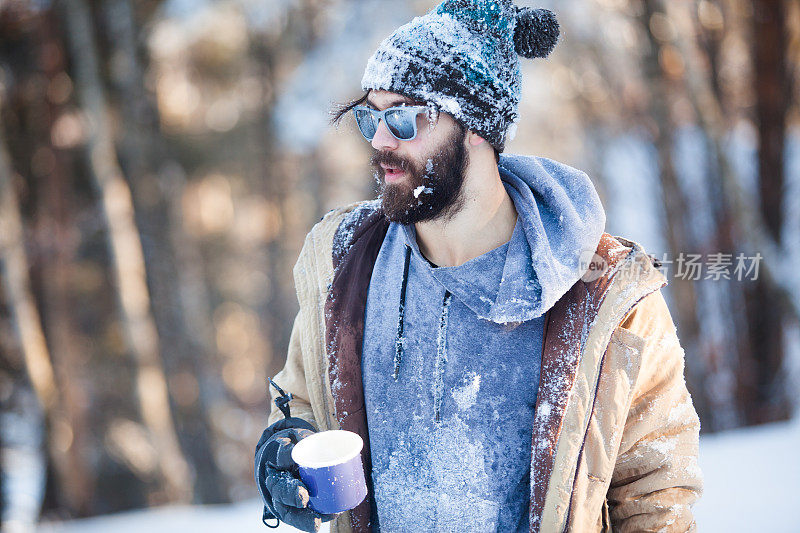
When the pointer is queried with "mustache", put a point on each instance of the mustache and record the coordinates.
(390, 159)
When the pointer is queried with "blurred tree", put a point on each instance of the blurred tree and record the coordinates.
(679, 237)
(752, 344)
(764, 395)
(157, 189)
(21, 464)
(17, 287)
(30, 44)
(127, 256)
(70, 441)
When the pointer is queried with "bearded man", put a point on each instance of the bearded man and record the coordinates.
(499, 380)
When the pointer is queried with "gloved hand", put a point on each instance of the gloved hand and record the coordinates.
(284, 494)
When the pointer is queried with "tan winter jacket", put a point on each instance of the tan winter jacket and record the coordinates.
(615, 433)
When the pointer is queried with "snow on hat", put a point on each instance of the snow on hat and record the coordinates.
(462, 57)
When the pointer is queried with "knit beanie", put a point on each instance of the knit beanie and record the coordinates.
(462, 57)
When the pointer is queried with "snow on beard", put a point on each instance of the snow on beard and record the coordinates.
(428, 192)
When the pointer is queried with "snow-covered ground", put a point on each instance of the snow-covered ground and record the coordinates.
(243, 517)
(752, 480)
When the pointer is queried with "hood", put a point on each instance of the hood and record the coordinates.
(559, 217)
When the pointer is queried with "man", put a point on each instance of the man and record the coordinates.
(499, 383)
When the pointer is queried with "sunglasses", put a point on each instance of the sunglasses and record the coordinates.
(401, 121)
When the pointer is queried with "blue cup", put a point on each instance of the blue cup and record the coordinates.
(332, 470)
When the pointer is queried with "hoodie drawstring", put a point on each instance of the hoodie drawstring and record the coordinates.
(441, 358)
(400, 340)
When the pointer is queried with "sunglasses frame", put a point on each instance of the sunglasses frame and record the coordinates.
(381, 115)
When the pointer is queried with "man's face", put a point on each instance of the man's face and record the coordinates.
(421, 179)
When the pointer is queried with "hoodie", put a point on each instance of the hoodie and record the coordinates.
(451, 357)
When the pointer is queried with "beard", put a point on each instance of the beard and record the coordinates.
(432, 190)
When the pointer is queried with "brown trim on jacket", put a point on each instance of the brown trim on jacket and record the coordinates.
(565, 330)
(345, 306)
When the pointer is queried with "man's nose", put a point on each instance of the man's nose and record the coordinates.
(383, 140)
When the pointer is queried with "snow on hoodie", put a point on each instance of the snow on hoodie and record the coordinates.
(451, 357)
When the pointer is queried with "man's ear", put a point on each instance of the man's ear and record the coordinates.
(474, 139)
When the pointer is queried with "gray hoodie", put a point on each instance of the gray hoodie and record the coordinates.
(451, 357)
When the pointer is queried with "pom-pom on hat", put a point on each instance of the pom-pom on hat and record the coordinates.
(462, 56)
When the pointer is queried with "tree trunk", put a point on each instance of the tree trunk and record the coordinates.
(187, 355)
(677, 215)
(16, 282)
(739, 220)
(765, 395)
(27, 322)
(722, 347)
(127, 257)
(58, 249)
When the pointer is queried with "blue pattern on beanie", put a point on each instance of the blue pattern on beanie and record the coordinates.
(462, 56)
(492, 17)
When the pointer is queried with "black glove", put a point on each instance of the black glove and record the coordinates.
(285, 496)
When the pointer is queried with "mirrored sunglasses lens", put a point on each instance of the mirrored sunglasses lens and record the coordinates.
(365, 123)
(401, 123)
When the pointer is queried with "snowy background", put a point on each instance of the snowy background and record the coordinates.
(220, 111)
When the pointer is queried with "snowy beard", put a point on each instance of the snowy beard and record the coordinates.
(430, 191)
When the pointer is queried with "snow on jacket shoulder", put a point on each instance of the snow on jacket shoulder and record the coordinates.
(618, 439)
